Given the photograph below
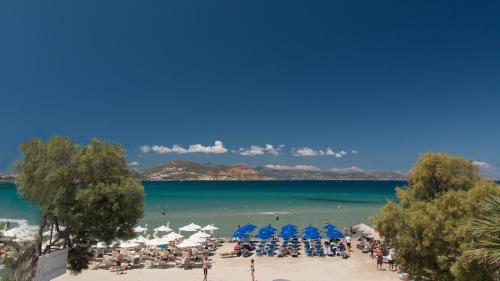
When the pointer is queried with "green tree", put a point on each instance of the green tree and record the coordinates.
(485, 246)
(430, 224)
(88, 190)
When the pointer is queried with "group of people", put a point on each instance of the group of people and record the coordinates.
(381, 252)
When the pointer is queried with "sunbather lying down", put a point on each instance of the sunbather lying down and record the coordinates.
(231, 253)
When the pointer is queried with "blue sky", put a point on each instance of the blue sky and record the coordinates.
(388, 79)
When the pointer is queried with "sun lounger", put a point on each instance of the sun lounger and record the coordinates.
(229, 254)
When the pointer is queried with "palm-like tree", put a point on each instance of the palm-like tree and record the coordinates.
(485, 248)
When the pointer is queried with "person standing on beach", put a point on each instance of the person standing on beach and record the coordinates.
(252, 269)
(348, 242)
(205, 265)
(119, 258)
(380, 258)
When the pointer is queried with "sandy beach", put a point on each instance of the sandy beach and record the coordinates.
(358, 267)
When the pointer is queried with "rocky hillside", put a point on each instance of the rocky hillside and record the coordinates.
(327, 175)
(184, 170)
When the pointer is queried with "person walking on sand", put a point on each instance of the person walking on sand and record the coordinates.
(205, 265)
(252, 269)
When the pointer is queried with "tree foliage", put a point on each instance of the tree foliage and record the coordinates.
(431, 224)
(86, 189)
(485, 246)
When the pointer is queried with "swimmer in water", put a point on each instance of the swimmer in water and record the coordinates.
(163, 212)
(277, 218)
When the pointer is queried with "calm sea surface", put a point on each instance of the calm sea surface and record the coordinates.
(227, 203)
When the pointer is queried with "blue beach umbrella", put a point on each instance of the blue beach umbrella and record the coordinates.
(286, 235)
(334, 234)
(312, 236)
(240, 234)
(310, 228)
(267, 229)
(329, 226)
(248, 227)
(263, 235)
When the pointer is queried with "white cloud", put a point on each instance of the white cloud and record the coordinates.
(354, 151)
(252, 151)
(487, 169)
(174, 149)
(217, 148)
(274, 151)
(258, 150)
(297, 167)
(305, 151)
(482, 165)
(135, 163)
(145, 148)
(352, 169)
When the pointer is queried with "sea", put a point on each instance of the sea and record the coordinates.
(229, 203)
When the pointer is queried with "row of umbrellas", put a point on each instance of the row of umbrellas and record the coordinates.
(193, 241)
(288, 231)
(189, 228)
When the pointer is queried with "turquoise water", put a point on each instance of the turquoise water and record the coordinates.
(228, 203)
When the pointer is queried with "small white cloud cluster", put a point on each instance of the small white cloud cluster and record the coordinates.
(297, 167)
(482, 165)
(217, 148)
(135, 163)
(307, 151)
(487, 169)
(352, 169)
(259, 150)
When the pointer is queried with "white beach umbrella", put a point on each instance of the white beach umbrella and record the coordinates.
(157, 242)
(364, 228)
(209, 227)
(190, 227)
(163, 228)
(198, 240)
(128, 244)
(201, 234)
(188, 244)
(101, 245)
(139, 229)
(375, 236)
(11, 232)
(140, 239)
(172, 236)
(187, 228)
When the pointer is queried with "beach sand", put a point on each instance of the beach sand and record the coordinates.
(359, 267)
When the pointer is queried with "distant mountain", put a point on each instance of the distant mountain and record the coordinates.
(297, 174)
(185, 170)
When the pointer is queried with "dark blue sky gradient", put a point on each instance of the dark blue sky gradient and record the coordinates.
(391, 79)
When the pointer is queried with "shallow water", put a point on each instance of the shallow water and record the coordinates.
(228, 203)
